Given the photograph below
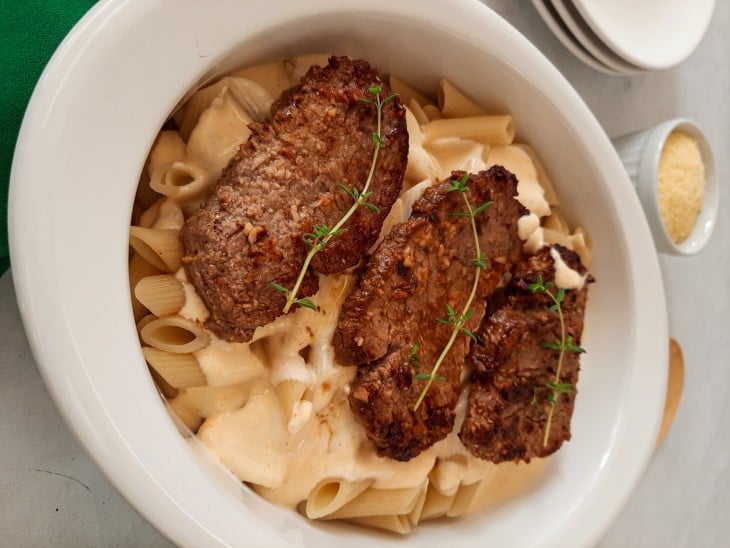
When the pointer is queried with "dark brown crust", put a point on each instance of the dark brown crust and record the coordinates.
(422, 265)
(282, 183)
(510, 367)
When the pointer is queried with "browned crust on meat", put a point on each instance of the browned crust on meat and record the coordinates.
(422, 265)
(511, 367)
(282, 183)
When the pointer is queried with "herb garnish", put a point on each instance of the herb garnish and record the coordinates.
(565, 343)
(322, 234)
(457, 321)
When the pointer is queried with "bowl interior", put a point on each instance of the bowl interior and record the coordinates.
(97, 375)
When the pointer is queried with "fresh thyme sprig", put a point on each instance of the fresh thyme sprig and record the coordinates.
(565, 343)
(321, 235)
(457, 321)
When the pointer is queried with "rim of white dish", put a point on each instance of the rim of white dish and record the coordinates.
(651, 34)
(45, 262)
(585, 35)
(563, 34)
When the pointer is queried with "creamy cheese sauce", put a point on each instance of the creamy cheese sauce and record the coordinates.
(566, 277)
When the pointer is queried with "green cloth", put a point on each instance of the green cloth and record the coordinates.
(30, 31)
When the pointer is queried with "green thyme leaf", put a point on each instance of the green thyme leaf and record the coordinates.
(279, 288)
(469, 334)
(306, 303)
(560, 387)
(389, 98)
(552, 345)
(482, 207)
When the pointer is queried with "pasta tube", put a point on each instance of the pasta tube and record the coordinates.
(175, 334)
(178, 370)
(162, 295)
(376, 502)
(490, 130)
(406, 93)
(139, 268)
(158, 246)
(454, 104)
(331, 495)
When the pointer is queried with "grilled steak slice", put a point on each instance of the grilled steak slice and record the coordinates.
(509, 398)
(420, 267)
(282, 183)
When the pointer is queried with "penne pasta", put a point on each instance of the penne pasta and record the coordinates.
(175, 334)
(158, 246)
(436, 504)
(144, 321)
(254, 99)
(421, 165)
(376, 502)
(432, 112)
(466, 497)
(417, 112)
(395, 524)
(178, 370)
(139, 268)
(406, 93)
(165, 388)
(331, 495)
(149, 216)
(454, 104)
(169, 216)
(145, 196)
(162, 295)
(509, 479)
(219, 133)
(182, 180)
(583, 245)
(490, 130)
(414, 516)
(229, 363)
(168, 148)
(273, 77)
(195, 404)
(446, 475)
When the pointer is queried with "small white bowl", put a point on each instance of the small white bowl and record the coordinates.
(640, 152)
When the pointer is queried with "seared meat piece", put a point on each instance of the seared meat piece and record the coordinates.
(509, 395)
(282, 183)
(420, 267)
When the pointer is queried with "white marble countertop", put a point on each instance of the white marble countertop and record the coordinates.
(52, 494)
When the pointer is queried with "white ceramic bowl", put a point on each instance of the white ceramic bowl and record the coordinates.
(89, 126)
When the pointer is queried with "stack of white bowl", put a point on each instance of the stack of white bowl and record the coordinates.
(625, 37)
